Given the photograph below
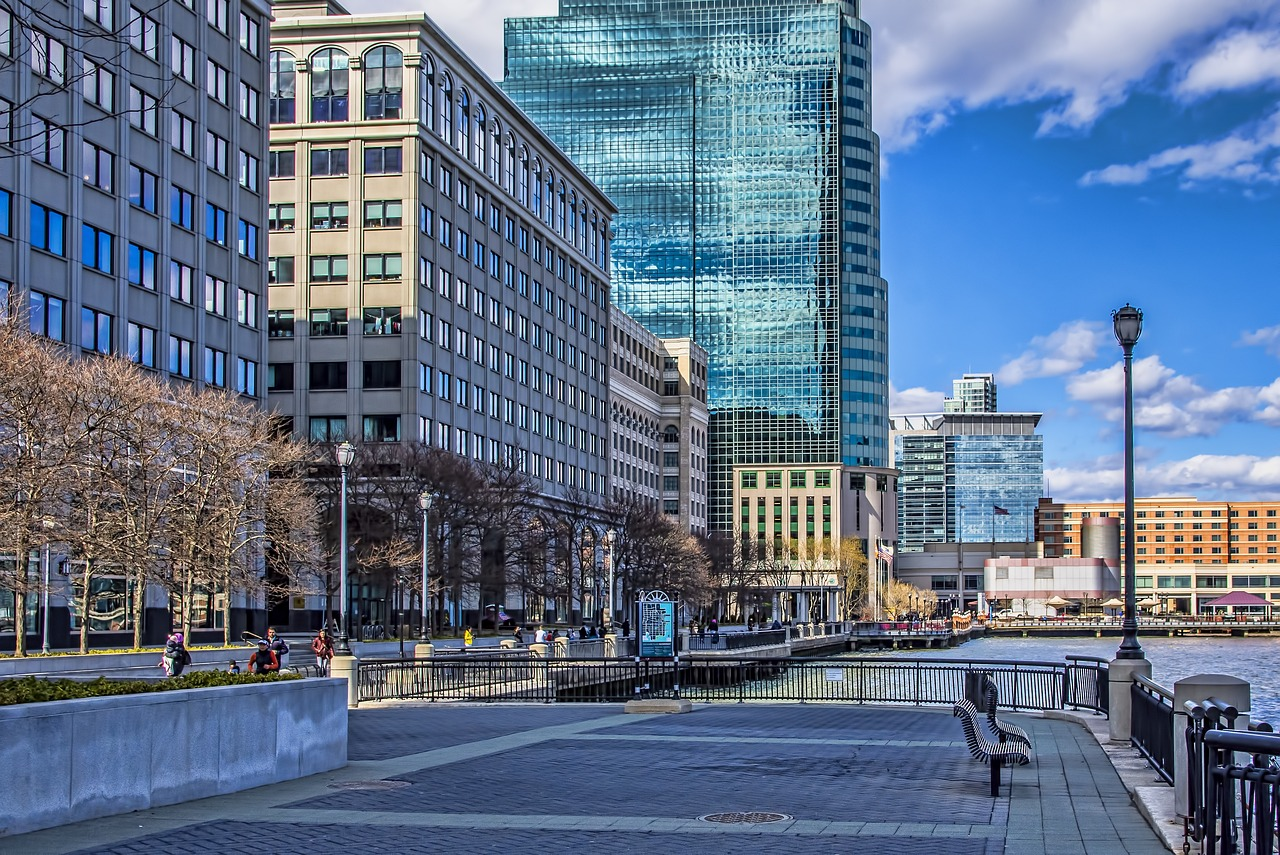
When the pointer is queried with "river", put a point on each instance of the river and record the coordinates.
(1256, 660)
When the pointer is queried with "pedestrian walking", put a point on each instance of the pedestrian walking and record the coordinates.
(626, 628)
(175, 656)
(467, 637)
(517, 635)
(322, 647)
(278, 647)
(263, 660)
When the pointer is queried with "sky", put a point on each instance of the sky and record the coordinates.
(1044, 163)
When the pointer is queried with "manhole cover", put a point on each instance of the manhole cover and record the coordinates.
(369, 785)
(752, 818)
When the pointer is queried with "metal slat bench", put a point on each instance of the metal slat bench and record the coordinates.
(994, 754)
(1002, 730)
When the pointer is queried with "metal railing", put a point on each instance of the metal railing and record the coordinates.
(737, 640)
(1151, 724)
(861, 680)
(1085, 685)
(1233, 821)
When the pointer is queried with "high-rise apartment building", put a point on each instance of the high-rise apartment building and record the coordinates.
(439, 269)
(972, 393)
(132, 195)
(967, 477)
(735, 139)
(658, 406)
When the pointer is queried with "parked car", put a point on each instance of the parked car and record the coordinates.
(1009, 614)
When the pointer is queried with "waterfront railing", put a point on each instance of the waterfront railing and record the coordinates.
(1078, 683)
(1237, 792)
(1151, 725)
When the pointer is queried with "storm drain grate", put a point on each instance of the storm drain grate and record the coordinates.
(751, 818)
(369, 785)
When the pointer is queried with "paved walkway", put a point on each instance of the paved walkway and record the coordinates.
(577, 778)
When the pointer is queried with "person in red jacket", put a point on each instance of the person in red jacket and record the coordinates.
(263, 661)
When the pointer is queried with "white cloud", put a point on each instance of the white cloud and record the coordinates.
(936, 58)
(1064, 350)
(1173, 404)
(1246, 155)
(1239, 60)
(917, 399)
(1267, 337)
(1240, 477)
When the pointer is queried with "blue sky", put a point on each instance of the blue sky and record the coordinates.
(1046, 162)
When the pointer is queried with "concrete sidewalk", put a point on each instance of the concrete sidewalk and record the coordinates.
(578, 778)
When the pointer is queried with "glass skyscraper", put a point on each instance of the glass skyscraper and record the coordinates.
(735, 138)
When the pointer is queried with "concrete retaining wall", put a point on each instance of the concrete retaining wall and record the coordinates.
(66, 761)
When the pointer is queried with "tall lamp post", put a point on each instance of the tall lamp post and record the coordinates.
(424, 502)
(610, 537)
(1127, 322)
(345, 453)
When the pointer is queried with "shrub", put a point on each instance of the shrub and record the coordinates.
(32, 690)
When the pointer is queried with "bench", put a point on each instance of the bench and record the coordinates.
(1002, 730)
(995, 754)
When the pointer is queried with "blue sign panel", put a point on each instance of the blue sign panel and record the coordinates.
(657, 629)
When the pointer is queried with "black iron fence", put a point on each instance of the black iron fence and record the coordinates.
(1236, 811)
(1151, 724)
(736, 640)
(877, 680)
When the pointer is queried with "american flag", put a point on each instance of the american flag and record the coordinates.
(999, 511)
(885, 551)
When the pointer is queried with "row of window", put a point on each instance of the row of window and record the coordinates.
(796, 479)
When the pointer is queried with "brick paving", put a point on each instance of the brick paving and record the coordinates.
(565, 778)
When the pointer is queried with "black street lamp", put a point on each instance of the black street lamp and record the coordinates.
(345, 452)
(1127, 322)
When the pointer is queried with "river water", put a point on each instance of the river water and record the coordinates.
(1256, 660)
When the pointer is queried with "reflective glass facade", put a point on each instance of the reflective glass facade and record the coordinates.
(735, 138)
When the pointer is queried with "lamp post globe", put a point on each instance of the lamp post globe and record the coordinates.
(1127, 324)
(345, 453)
(424, 503)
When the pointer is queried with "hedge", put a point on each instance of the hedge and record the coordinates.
(33, 690)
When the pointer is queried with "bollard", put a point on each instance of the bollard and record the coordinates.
(348, 667)
(1197, 689)
(507, 643)
(538, 650)
(610, 644)
(1120, 674)
(424, 650)
(562, 648)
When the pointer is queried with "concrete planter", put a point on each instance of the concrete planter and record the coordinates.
(67, 761)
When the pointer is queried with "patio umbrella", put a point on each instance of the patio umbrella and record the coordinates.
(1056, 601)
(1113, 603)
(1149, 603)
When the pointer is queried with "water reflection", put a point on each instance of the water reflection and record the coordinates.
(1251, 659)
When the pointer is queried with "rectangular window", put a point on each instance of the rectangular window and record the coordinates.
(382, 428)
(280, 323)
(182, 133)
(281, 217)
(215, 295)
(327, 216)
(250, 34)
(144, 34)
(327, 428)
(98, 166)
(279, 376)
(48, 143)
(383, 214)
(328, 268)
(215, 367)
(250, 169)
(143, 110)
(247, 239)
(182, 59)
(280, 163)
(386, 266)
(798, 479)
(280, 269)
(95, 330)
(216, 11)
(180, 281)
(246, 307)
(181, 207)
(143, 267)
(48, 230)
(48, 316)
(142, 345)
(98, 85)
(101, 12)
(328, 161)
(246, 376)
(382, 374)
(329, 322)
(383, 160)
(217, 81)
(328, 376)
(180, 356)
(250, 99)
(382, 320)
(215, 152)
(48, 56)
(215, 224)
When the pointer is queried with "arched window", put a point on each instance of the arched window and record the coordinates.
(495, 151)
(383, 83)
(330, 86)
(281, 98)
(537, 188)
(522, 190)
(482, 137)
(560, 210)
(508, 164)
(671, 434)
(463, 143)
(446, 106)
(573, 217)
(427, 94)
